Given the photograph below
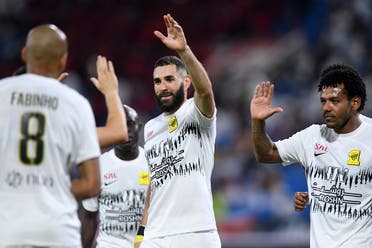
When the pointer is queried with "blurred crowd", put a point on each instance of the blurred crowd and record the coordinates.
(241, 43)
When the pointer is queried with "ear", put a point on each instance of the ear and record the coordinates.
(24, 54)
(356, 101)
(187, 82)
(63, 62)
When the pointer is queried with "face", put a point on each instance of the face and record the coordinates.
(337, 109)
(133, 127)
(169, 88)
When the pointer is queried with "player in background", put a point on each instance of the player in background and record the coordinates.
(124, 183)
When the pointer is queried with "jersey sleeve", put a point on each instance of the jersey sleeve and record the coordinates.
(204, 121)
(294, 149)
(90, 204)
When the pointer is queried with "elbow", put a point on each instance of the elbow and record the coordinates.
(94, 188)
(121, 136)
(113, 138)
(94, 191)
(262, 158)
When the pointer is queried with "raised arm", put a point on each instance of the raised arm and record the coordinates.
(115, 130)
(264, 149)
(176, 40)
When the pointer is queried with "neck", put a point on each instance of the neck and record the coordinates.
(130, 154)
(43, 71)
(350, 125)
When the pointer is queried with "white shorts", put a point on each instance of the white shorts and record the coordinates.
(206, 239)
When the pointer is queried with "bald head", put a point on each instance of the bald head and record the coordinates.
(46, 46)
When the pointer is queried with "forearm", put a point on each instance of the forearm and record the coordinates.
(262, 144)
(88, 228)
(203, 88)
(141, 230)
(196, 70)
(115, 130)
(147, 204)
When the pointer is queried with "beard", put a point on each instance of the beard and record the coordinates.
(172, 106)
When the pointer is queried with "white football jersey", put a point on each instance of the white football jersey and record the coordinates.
(122, 199)
(46, 128)
(180, 152)
(339, 178)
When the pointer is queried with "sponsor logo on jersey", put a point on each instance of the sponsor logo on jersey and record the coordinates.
(110, 175)
(354, 156)
(320, 149)
(172, 124)
(144, 178)
(110, 178)
(17, 179)
(107, 183)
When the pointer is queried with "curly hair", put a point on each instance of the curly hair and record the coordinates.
(337, 74)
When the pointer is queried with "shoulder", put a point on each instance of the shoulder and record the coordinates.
(153, 121)
(107, 154)
(314, 130)
(365, 119)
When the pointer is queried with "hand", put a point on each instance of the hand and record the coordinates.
(261, 103)
(300, 200)
(106, 80)
(175, 38)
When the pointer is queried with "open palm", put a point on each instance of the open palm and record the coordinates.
(175, 38)
(261, 108)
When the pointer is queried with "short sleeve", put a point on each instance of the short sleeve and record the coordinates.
(90, 204)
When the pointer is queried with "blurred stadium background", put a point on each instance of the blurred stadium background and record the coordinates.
(241, 43)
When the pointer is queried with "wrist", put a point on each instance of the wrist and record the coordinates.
(140, 234)
(141, 230)
(111, 93)
(184, 51)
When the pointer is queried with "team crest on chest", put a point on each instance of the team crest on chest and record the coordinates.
(354, 156)
(172, 124)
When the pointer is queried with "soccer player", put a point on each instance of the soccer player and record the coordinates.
(179, 146)
(115, 129)
(46, 129)
(120, 204)
(336, 156)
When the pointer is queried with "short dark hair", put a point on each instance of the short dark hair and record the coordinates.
(171, 60)
(336, 74)
(130, 113)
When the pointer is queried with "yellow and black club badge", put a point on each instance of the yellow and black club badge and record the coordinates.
(354, 156)
(172, 124)
(144, 178)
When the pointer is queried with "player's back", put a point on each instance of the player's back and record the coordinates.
(41, 136)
